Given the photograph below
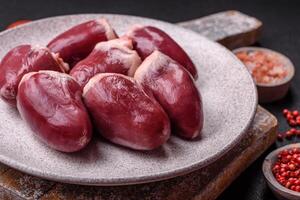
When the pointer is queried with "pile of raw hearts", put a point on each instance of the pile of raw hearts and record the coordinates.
(134, 88)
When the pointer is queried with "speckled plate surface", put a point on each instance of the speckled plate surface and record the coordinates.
(229, 100)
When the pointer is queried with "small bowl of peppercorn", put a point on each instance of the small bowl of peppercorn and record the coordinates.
(271, 71)
(281, 169)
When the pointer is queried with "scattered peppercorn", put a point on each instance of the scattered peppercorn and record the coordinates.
(293, 119)
(287, 169)
(295, 113)
(280, 136)
(285, 112)
(17, 23)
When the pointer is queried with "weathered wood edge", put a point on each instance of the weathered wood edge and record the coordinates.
(18, 185)
(261, 143)
(231, 28)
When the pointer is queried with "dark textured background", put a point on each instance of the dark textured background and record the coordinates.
(281, 32)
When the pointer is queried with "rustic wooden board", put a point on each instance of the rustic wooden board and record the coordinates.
(231, 28)
(22, 185)
(204, 184)
(3, 168)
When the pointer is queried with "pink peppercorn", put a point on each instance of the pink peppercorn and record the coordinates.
(286, 170)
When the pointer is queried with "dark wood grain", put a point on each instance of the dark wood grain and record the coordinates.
(3, 168)
(23, 186)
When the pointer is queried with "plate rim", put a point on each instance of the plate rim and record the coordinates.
(35, 171)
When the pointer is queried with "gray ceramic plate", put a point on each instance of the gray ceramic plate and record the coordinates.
(229, 100)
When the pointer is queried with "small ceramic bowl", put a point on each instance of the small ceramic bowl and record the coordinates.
(279, 191)
(273, 91)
